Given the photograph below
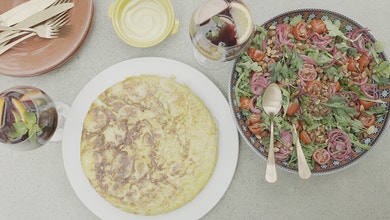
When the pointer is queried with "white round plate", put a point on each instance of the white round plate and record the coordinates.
(201, 86)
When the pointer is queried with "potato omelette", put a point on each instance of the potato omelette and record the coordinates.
(149, 145)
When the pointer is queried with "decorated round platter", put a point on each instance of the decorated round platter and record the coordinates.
(202, 87)
(37, 56)
(347, 25)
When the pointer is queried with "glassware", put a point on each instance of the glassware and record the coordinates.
(28, 118)
(220, 31)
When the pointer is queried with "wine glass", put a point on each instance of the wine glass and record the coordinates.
(220, 31)
(29, 118)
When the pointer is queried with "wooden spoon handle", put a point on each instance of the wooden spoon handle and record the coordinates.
(303, 168)
(270, 172)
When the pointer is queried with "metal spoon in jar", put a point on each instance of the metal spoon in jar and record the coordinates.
(272, 103)
(303, 169)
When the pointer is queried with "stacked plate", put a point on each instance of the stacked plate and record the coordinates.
(36, 56)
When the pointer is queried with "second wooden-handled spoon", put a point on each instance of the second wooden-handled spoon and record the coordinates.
(303, 169)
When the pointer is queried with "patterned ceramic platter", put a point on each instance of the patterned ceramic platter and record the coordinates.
(347, 25)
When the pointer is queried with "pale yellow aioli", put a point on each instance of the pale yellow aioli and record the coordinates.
(144, 20)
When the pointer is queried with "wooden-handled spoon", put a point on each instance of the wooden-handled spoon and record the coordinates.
(272, 103)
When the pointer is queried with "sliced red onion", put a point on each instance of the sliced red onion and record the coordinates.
(370, 90)
(286, 137)
(339, 144)
(282, 32)
(308, 60)
(359, 40)
(258, 83)
(362, 82)
(283, 154)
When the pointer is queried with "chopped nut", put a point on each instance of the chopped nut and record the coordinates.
(271, 33)
(371, 129)
(272, 27)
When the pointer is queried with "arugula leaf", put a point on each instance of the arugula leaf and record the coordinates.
(377, 110)
(382, 70)
(356, 142)
(285, 100)
(335, 72)
(243, 68)
(321, 57)
(286, 68)
(334, 29)
(339, 106)
(258, 39)
(295, 20)
(379, 46)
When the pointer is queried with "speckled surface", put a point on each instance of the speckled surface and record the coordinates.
(34, 184)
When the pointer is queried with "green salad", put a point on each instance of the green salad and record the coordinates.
(330, 81)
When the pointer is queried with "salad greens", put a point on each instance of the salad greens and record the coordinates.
(332, 113)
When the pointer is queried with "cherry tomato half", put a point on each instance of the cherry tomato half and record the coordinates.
(314, 87)
(255, 118)
(256, 129)
(363, 61)
(298, 125)
(321, 156)
(256, 54)
(366, 104)
(304, 137)
(351, 65)
(300, 31)
(245, 103)
(336, 86)
(318, 26)
(293, 108)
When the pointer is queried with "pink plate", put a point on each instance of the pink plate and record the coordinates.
(36, 56)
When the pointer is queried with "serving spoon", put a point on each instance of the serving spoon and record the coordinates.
(272, 103)
(303, 169)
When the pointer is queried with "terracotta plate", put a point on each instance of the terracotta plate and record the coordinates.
(347, 25)
(36, 56)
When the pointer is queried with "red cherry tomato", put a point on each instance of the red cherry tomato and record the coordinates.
(314, 87)
(256, 54)
(317, 25)
(321, 156)
(256, 129)
(245, 103)
(300, 31)
(293, 108)
(304, 137)
(298, 125)
(336, 85)
(363, 61)
(366, 104)
(351, 64)
(255, 118)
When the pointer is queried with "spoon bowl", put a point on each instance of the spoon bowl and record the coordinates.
(272, 103)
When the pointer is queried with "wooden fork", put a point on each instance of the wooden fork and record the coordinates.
(51, 29)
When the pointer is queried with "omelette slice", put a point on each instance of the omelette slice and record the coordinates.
(149, 145)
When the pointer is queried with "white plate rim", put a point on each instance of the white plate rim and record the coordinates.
(228, 146)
